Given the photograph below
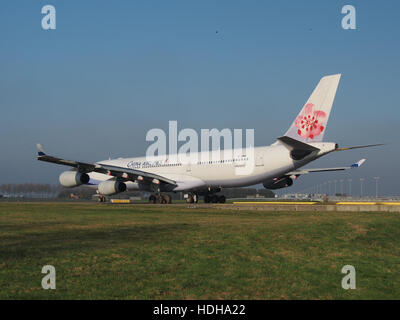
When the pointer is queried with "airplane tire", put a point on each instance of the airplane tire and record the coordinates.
(167, 198)
(214, 198)
(221, 199)
(159, 198)
(152, 199)
(189, 199)
(207, 198)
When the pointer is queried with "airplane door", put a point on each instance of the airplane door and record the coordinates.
(188, 167)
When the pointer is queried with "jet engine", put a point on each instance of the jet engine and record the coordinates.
(71, 179)
(278, 183)
(108, 188)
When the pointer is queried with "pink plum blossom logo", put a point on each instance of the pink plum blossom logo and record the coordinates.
(310, 122)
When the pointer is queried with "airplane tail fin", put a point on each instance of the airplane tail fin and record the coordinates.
(310, 124)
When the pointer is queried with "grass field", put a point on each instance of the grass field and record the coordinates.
(181, 252)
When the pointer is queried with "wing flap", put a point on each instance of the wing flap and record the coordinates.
(130, 174)
(84, 167)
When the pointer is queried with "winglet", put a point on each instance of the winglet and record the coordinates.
(40, 150)
(358, 164)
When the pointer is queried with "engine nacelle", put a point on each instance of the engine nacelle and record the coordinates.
(108, 188)
(278, 183)
(71, 179)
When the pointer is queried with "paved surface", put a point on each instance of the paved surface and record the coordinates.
(352, 207)
(314, 207)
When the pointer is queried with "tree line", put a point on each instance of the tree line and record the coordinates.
(29, 188)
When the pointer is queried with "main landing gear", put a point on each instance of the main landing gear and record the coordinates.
(208, 198)
(192, 198)
(160, 198)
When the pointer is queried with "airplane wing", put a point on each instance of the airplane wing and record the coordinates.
(118, 172)
(306, 171)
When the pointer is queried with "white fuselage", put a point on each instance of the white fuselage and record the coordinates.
(223, 169)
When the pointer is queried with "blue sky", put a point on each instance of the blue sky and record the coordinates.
(112, 70)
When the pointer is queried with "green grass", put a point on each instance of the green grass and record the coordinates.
(180, 252)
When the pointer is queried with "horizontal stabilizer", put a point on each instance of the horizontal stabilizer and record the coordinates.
(293, 144)
(305, 171)
(359, 147)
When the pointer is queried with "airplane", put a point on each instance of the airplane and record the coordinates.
(275, 166)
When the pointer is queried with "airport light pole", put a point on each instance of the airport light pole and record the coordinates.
(329, 187)
(335, 185)
(341, 187)
(350, 186)
(361, 187)
(376, 186)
